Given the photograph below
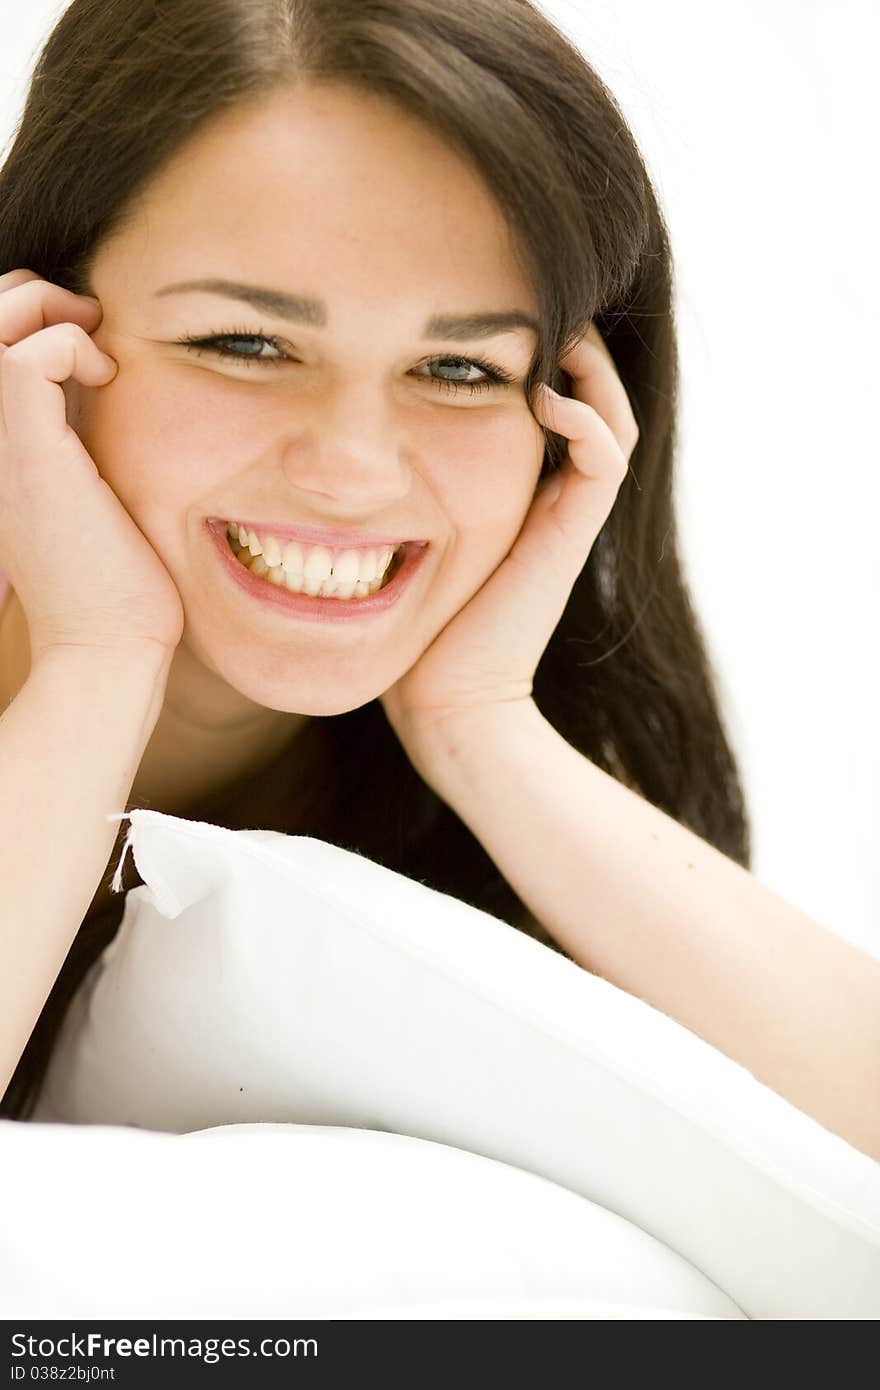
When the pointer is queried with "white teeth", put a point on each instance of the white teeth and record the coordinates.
(319, 564)
(293, 559)
(272, 552)
(316, 565)
(313, 570)
(347, 567)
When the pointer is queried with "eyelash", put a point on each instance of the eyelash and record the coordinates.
(495, 376)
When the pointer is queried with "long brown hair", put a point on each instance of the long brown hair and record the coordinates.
(626, 677)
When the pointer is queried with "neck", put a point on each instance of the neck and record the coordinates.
(207, 736)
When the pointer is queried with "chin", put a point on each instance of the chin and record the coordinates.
(317, 707)
(306, 697)
(316, 686)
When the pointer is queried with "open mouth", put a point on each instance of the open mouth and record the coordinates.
(312, 581)
(317, 571)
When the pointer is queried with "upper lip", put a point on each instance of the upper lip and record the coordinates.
(317, 535)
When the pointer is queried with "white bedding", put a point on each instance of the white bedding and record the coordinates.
(262, 978)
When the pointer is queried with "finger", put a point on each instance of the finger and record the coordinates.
(32, 304)
(33, 411)
(594, 450)
(560, 532)
(595, 381)
(16, 277)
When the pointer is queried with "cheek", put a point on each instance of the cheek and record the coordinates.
(490, 469)
(153, 436)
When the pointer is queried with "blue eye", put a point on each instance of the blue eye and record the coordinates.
(217, 344)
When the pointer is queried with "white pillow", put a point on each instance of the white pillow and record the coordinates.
(281, 1221)
(261, 977)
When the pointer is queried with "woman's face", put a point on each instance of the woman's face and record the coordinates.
(357, 423)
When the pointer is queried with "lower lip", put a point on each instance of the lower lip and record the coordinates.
(332, 610)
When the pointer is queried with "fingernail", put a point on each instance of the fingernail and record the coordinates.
(548, 391)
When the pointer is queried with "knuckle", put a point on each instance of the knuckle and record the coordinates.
(65, 329)
(13, 278)
(25, 354)
(31, 289)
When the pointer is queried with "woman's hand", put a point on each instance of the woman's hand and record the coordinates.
(487, 655)
(84, 572)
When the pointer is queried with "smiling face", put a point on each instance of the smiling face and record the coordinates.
(357, 417)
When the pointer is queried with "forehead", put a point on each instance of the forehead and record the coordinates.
(328, 187)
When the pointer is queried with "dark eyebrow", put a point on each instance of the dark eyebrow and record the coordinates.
(300, 309)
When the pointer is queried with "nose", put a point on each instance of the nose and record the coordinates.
(348, 450)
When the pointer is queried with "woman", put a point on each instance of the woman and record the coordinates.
(338, 249)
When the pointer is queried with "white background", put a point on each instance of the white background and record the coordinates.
(758, 124)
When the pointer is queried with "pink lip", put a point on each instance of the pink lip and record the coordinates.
(304, 605)
(315, 535)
